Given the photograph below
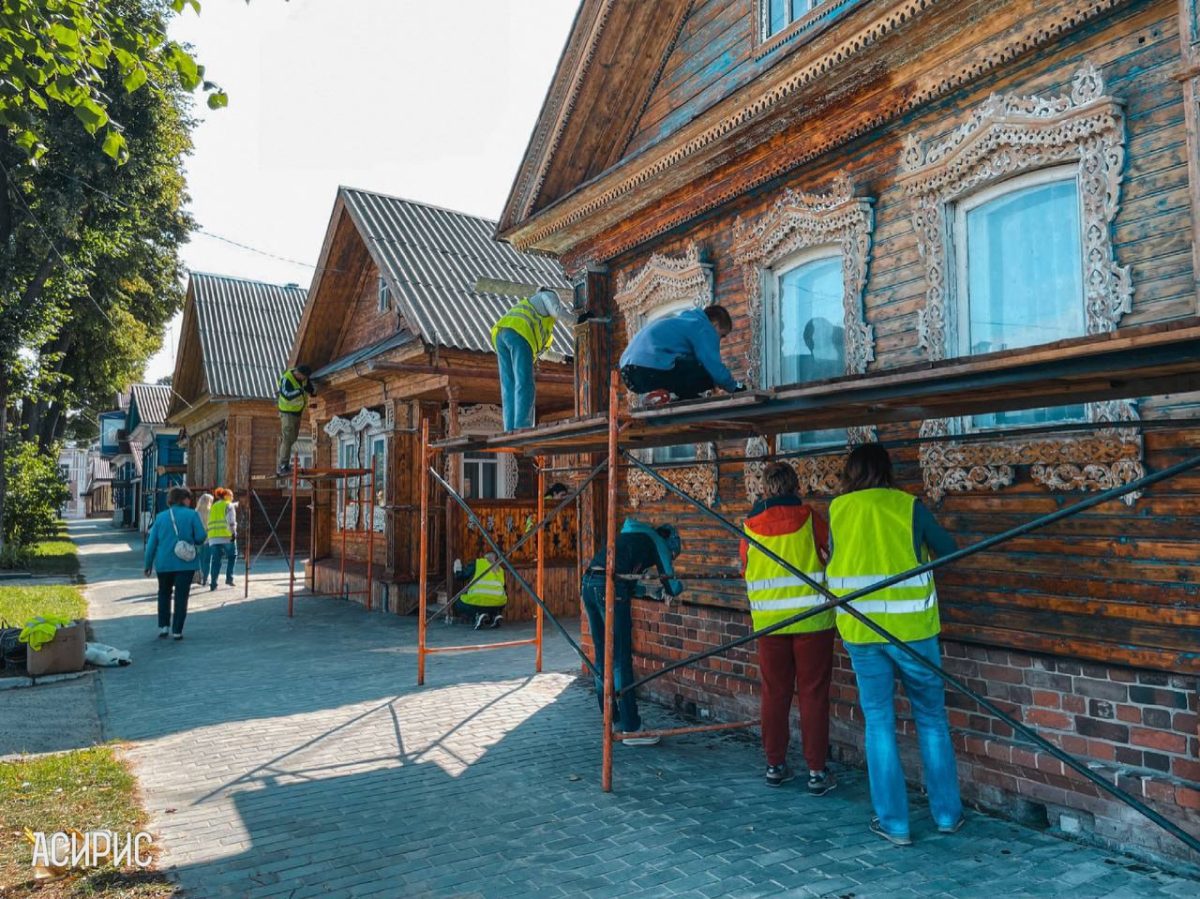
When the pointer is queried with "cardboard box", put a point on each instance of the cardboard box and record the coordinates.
(62, 654)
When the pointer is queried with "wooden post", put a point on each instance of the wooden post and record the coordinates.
(541, 557)
(292, 546)
(610, 587)
(249, 536)
(454, 479)
(423, 560)
(370, 534)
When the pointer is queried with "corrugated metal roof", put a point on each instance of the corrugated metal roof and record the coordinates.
(246, 330)
(433, 257)
(152, 402)
(399, 339)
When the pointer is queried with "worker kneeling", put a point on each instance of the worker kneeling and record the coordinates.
(796, 660)
(486, 595)
(679, 355)
(877, 531)
(640, 547)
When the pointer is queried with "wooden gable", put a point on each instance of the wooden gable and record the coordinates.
(188, 381)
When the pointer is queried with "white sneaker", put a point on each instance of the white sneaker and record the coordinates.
(164, 631)
(641, 741)
(497, 620)
(480, 620)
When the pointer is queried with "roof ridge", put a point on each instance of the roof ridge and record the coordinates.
(291, 285)
(422, 203)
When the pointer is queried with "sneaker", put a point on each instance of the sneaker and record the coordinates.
(176, 636)
(641, 741)
(656, 398)
(821, 782)
(163, 631)
(480, 620)
(283, 471)
(212, 587)
(778, 775)
(497, 620)
(229, 582)
(877, 829)
(953, 828)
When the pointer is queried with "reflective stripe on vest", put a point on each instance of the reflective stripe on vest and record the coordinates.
(872, 541)
(774, 592)
(290, 405)
(217, 526)
(486, 589)
(524, 319)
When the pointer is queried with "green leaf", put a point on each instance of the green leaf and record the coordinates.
(114, 146)
(218, 100)
(135, 79)
(91, 114)
(63, 34)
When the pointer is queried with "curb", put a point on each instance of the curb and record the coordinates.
(12, 683)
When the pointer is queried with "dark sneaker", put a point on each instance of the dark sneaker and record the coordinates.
(176, 636)
(229, 582)
(212, 587)
(497, 620)
(283, 471)
(952, 828)
(778, 775)
(163, 631)
(480, 620)
(821, 782)
(877, 829)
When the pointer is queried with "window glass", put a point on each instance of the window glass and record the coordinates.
(379, 467)
(782, 13)
(480, 476)
(1023, 280)
(682, 452)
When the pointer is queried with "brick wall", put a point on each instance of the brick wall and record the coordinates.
(1139, 728)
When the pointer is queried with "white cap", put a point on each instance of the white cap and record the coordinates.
(549, 301)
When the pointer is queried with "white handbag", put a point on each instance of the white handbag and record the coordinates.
(185, 550)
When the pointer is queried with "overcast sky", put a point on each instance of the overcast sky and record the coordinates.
(430, 101)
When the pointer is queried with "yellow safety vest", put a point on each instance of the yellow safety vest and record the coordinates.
(291, 405)
(486, 589)
(217, 526)
(774, 592)
(524, 319)
(872, 540)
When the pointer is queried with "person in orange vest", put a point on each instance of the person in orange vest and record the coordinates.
(877, 531)
(796, 660)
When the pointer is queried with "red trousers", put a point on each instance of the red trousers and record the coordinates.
(796, 665)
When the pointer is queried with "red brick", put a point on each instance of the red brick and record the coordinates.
(1001, 673)
(1075, 704)
(1047, 699)
(1157, 739)
(1129, 714)
(1073, 744)
(1048, 718)
(1100, 751)
(1186, 769)
(1186, 797)
(1186, 723)
(1024, 757)
(1122, 675)
(1157, 789)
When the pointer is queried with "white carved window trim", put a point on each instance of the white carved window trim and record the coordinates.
(484, 419)
(1010, 135)
(668, 281)
(358, 432)
(796, 222)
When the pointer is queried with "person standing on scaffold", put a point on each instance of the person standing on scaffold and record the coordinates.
(640, 547)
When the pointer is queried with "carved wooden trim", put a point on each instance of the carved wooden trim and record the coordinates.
(482, 419)
(698, 481)
(807, 26)
(1006, 136)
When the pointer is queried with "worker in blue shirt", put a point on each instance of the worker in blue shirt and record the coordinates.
(679, 355)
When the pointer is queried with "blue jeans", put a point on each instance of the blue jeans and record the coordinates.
(218, 552)
(875, 668)
(515, 356)
(626, 711)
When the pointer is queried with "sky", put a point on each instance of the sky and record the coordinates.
(428, 101)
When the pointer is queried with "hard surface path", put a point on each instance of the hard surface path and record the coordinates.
(297, 758)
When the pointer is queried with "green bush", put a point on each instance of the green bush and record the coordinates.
(36, 491)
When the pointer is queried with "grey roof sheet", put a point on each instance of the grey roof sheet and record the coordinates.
(432, 258)
(399, 339)
(246, 331)
(152, 402)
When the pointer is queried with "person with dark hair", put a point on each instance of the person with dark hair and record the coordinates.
(680, 355)
(796, 660)
(172, 552)
(557, 490)
(295, 387)
(486, 594)
(877, 531)
(523, 334)
(640, 547)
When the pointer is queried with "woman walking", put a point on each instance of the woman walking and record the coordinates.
(172, 552)
(221, 525)
(202, 506)
(877, 531)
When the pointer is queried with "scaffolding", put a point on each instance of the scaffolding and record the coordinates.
(1139, 362)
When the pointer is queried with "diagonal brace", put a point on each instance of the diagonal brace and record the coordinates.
(273, 528)
(842, 603)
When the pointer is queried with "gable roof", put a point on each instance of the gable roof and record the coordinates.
(245, 329)
(151, 402)
(432, 259)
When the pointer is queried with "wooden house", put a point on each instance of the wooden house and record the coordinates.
(233, 345)
(397, 333)
(149, 461)
(873, 184)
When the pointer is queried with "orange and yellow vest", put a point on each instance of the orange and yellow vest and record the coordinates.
(774, 592)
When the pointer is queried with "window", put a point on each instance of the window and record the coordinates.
(379, 467)
(347, 457)
(385, 296)
(680, 452)
(218, 477)
(777, 15)
(1019, 266)
(805, 336)
(480, 476)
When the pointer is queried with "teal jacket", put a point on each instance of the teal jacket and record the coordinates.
(666, 563)
(160, 543)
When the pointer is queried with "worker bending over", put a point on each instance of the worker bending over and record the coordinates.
(877, 531)
(295, 387)
(680, 355)
(796, 660)
(640, 547)
(522, 334)
(486, 595)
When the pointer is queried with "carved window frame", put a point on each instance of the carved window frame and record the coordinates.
(1007, 136)
(800, 31)
(799, 221)
(358, 432)
(484, 418)
(668, 280)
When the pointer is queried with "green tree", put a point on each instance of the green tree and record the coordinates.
(37, 492)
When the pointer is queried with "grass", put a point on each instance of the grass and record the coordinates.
(19, 604)
(57, 555)
(88, 790)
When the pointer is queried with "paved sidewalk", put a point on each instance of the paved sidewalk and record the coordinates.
(297, 758)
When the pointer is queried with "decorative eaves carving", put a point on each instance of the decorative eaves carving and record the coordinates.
(698, 481)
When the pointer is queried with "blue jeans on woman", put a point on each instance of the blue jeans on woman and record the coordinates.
(625, 715)
(218, 552)
(875, 667)
(515, 357)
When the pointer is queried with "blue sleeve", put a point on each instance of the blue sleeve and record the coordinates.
(666, 567)
(928, 533)
(151, 546)
(286, 391)
(707, 347)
